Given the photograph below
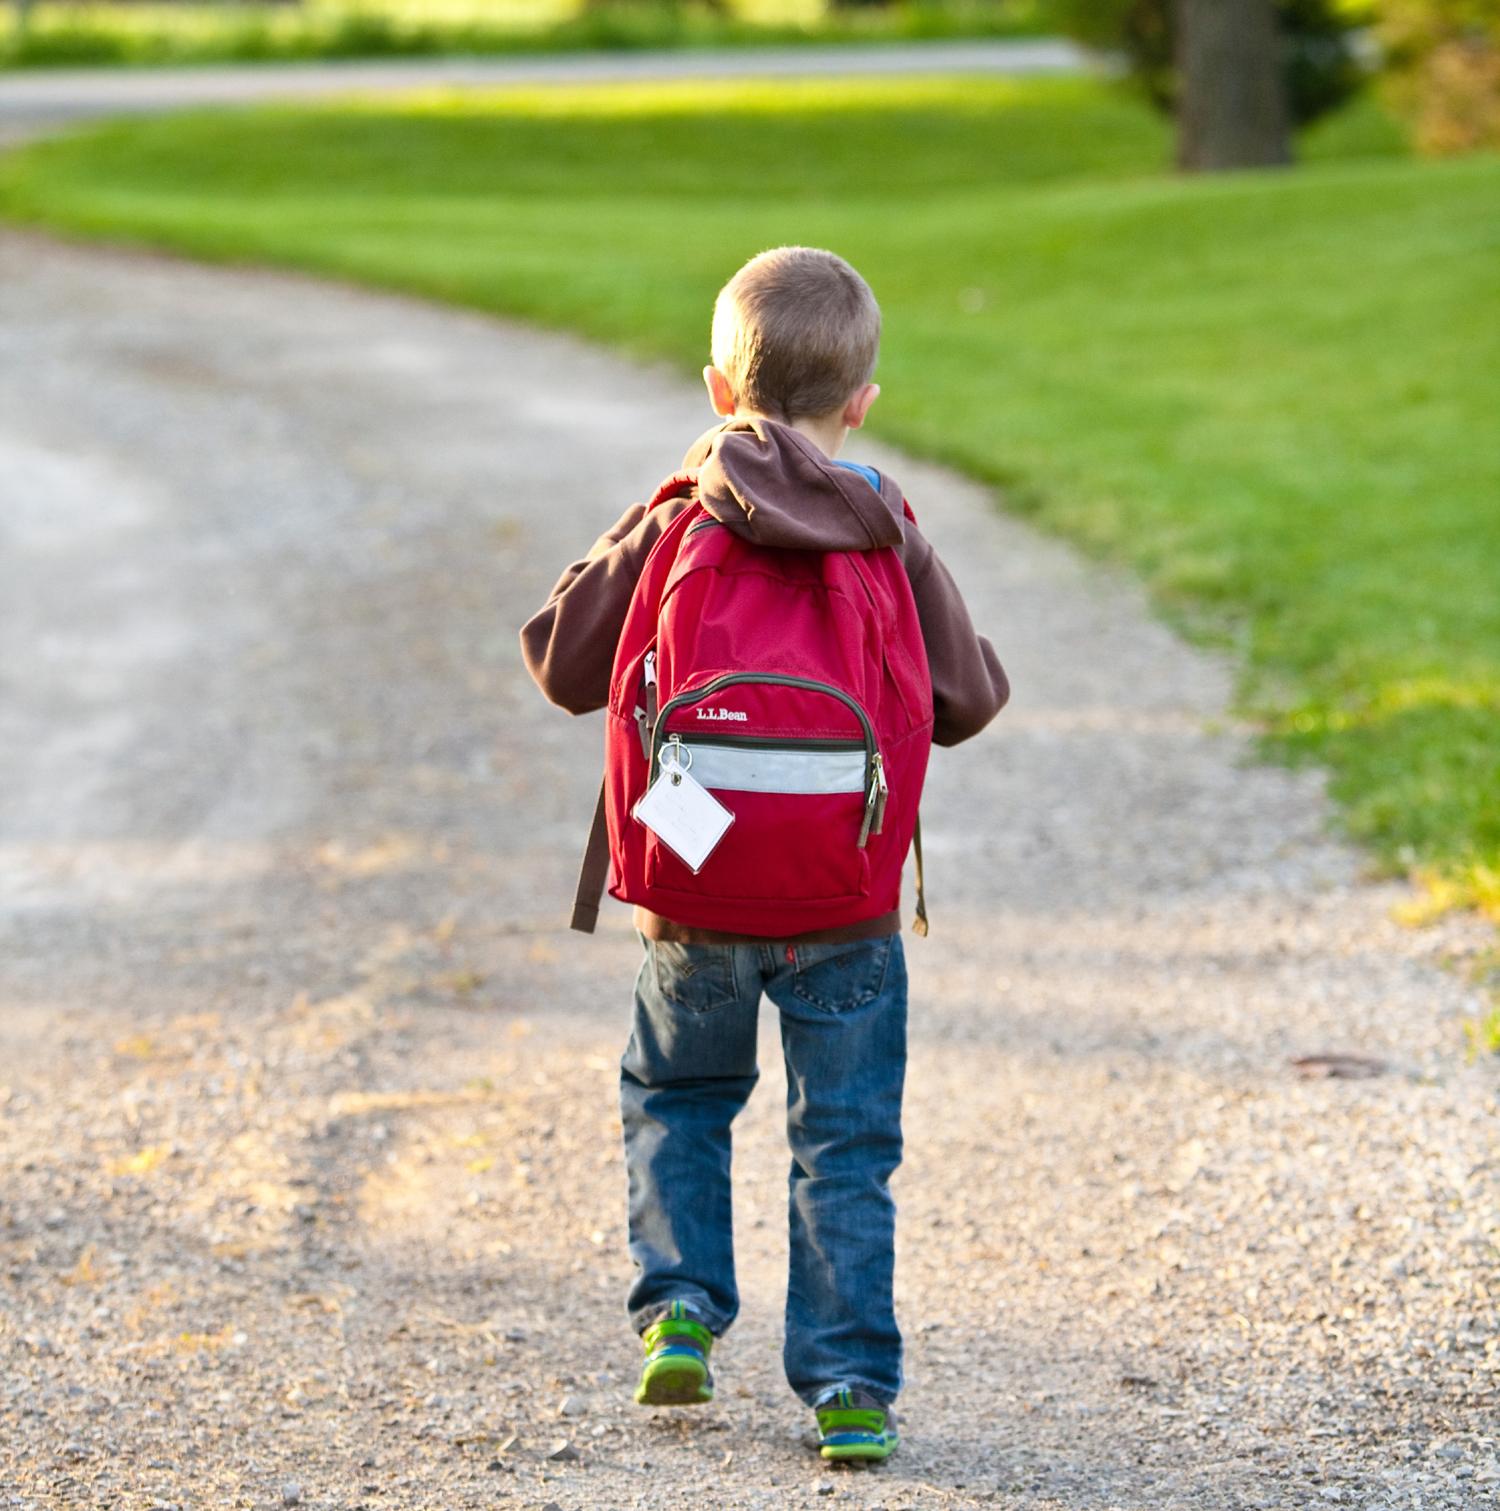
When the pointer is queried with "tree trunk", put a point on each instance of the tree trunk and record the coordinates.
(1231, 108)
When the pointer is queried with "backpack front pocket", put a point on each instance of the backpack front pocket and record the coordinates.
(804, 806)
(780, 847)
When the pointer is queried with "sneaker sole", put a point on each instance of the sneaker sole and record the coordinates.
(873, 1449)
(674, 1382)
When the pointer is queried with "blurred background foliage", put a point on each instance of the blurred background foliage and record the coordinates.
(1438, 60)
(122, 32)
(1443, 65)
(1321, 60)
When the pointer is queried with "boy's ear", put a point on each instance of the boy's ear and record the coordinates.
(720, 394)
(859, 405)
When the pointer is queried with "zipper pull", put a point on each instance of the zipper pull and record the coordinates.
(882, 791)
(677, 765)
(869, 818)
(648, 676)
(645, 718)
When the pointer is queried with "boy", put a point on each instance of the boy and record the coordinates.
(794, 341)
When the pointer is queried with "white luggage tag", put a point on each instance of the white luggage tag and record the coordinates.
(684, 815)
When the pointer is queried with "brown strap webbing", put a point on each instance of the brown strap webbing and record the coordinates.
(593, 874)
(919, 923)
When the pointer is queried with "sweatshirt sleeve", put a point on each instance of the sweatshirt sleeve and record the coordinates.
(969, 686)
(569, 643)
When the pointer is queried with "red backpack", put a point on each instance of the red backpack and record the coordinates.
(793, 686)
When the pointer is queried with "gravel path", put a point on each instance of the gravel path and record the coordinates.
(44, 98)
(312, 1185)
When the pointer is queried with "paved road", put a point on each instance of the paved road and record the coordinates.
(32, 101)
(306, 1094)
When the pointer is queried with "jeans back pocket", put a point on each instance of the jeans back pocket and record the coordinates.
(837, 978)
(695, 977)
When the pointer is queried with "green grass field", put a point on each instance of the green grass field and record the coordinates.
(1272, 395)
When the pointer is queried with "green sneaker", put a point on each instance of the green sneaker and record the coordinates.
(853, 1425)
(676, 1368)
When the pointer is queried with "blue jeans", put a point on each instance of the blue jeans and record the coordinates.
(690, 1067)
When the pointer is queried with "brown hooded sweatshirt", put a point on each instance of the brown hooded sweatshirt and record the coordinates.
(770, 484)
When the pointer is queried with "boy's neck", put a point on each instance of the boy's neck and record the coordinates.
(827, 435)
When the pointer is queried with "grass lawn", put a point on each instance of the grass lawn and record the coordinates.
(1273, 395)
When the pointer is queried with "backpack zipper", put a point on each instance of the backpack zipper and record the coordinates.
(645, 718)
(882, 792)
(875, 783)
(756, 742)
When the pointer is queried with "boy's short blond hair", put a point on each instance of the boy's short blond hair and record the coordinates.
(795, 332)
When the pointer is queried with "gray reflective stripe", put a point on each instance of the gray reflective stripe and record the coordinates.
(737, 768)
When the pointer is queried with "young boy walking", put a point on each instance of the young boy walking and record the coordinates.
(778, 647)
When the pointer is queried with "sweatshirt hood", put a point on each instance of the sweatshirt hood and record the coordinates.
(771, 485)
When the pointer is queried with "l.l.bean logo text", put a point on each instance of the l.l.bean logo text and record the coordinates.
(713, 715)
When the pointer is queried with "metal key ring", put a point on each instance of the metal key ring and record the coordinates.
(682, 757)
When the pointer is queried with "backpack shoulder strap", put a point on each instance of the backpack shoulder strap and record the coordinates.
(919, 923)
(677, 486)
(593, 874)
